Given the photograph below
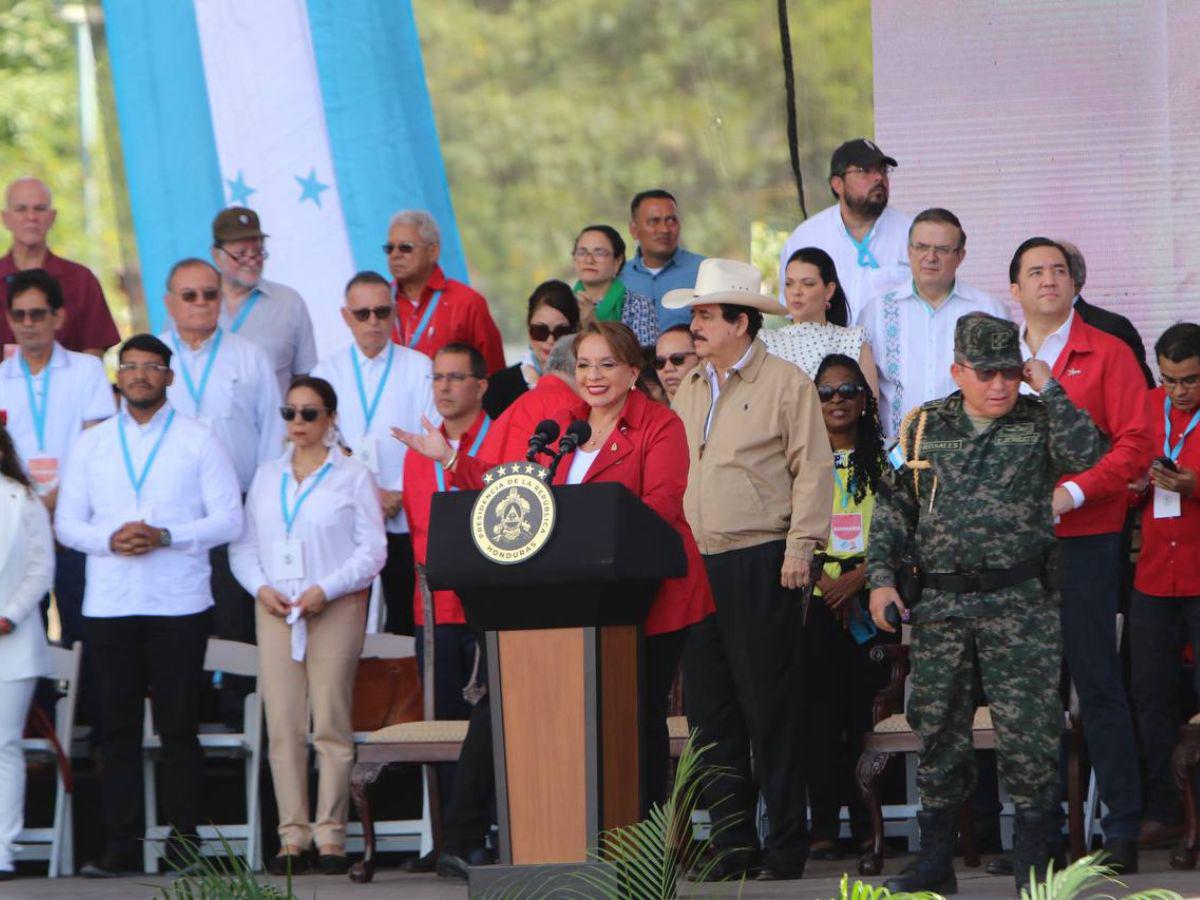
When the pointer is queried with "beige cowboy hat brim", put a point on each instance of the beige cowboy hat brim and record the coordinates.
(684, 297)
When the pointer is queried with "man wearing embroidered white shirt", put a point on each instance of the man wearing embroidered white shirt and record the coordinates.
(382, 384)
(1100, 375)
(226, 382)
(146, 495)
(866, 238)
(911, 327)
(269, 314)
(50, 395)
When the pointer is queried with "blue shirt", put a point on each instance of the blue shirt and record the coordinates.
(679, 272)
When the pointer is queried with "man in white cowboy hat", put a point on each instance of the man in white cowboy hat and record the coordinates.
(757, 499)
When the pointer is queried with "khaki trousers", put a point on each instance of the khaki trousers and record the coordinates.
(324, 681)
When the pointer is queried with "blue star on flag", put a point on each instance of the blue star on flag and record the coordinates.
(239, 191)
(311, 188)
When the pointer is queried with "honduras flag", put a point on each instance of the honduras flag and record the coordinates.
(314, 113)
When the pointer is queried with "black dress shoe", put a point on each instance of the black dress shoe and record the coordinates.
(279, 865)
(727, 870)
(450, 865)
(1122, 855)
(112, 864)
(7, 874)
(780, 873)
(1001, 865)
(333, 864)
(426, 863)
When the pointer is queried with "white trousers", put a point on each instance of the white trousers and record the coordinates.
(14, 707)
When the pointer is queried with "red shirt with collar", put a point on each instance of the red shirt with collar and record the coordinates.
(420, 484)
(509, 437)
(462, 315)
(1101, 376)
(648, 453)
(1169, 564)
(89, 325)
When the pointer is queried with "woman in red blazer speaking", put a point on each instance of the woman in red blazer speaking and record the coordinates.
(640, 444)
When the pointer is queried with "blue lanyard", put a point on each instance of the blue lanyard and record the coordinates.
(439, 473)
(1172, 453)
(424, 323)
(38, 413)
(138, 480)
(240, 320)
(369, 411)
(866, 258)
(197, 393)
(289, 516)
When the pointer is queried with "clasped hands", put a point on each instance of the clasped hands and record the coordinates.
(311, 602)
(135, 539)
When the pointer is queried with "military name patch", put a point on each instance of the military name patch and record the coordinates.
(1008, 437)
(956, 444)
(513, 516)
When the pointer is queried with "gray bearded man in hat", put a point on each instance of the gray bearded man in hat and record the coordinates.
(760, 478)
(969, 497)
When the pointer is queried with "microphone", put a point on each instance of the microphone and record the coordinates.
(578, 432)
(546, 433)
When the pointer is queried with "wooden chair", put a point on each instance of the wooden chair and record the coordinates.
(892, 734)
(1185, 763)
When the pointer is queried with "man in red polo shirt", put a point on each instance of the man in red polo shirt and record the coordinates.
(88, 326)
(431, 309)
(1100, 375)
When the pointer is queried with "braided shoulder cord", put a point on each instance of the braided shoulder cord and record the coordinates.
(913, 452)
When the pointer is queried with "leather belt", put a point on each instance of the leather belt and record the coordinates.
(986, 580)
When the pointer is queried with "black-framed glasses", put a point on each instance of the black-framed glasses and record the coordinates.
(451, 377)
(675, 359)
(540, 332)
(403, 248)
(1187, 381)
(246, 255)
(34, 315)
(988, 375)
(208, 295)
(307, 413)
(143, 367)
(847, 391)
(381, 313)
(881, 169)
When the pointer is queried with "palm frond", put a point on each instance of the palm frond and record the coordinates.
(1084, 876)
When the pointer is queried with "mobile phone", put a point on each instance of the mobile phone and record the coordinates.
(1167, 463)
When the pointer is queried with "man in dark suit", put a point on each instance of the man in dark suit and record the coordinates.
(1114, 323)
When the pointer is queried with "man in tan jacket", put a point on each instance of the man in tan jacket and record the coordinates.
(758, 501)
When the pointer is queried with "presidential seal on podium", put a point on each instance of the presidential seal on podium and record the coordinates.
(513, 516)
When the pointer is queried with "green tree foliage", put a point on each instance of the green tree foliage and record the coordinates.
(553, 113)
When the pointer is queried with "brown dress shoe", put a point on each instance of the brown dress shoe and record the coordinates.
(1156, 834)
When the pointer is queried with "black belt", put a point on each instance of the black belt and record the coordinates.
(985, 581)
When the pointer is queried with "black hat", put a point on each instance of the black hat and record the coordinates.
(858, 152)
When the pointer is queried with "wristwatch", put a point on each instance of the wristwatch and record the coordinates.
(164, 537)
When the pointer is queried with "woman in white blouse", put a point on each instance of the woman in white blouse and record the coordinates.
(817, 307)
(26, 574)
(314, 541)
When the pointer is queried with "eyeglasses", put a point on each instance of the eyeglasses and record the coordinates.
(451, 377)
(584, 253)
(540, 332)
(675, 359)
(1187, 381)
(143, 367)
(605, 366)
(847, 391)
(246, 255)
(986, 376)
(938, 249)
(307, 413)
(404, 248)
(880, 169)
(34, 315)
(208, 295)
(381, 313)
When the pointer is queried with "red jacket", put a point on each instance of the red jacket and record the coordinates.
(1169, 564)
(509, 438)
(89, 325)
(1101, 376)
(420, 484)
(648, 453)
(462, 315)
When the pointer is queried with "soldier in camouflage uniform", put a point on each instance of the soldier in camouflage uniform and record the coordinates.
(969, 498)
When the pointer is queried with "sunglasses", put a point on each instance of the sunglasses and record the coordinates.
(847, 391)
(208, 295)
(362, 315)
(307, 413)
(986, 376)
(404, 248)
(34, 315)
(540, 332)
(675, 359)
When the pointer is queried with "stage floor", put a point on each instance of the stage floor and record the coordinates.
(822, 884)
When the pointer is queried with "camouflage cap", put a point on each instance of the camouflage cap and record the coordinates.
(987, 342)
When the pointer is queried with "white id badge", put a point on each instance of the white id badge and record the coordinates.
(287, 560)
(44, 472)
(367, 453)
(1166, 504)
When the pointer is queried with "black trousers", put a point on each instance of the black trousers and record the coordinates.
(744, 691)
(662, 655)
(471, 807)
(233, 620)
(70, 567)
(453, 661)
(162, 656)
(399, 581)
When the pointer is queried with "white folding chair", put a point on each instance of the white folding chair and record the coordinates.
(56, 843)
(233, 658)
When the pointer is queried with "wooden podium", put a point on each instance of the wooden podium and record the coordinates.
(564, 652)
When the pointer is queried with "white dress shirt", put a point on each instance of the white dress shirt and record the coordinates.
(26, 574)
(407, 395)
(914, 345)
(887, 241)
(189, 489)
(278, 322)
(79, 393)
(1049, 352)
(714, 384)
(240, 401)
